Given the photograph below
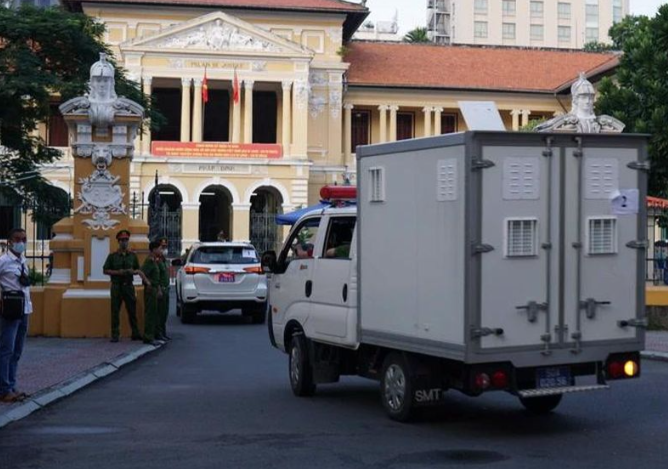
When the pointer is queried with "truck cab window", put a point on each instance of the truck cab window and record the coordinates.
(339, 238)
(301, 242)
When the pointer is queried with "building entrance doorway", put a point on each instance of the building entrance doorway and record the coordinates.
(215, 214)
(164, 216)
(265, 235)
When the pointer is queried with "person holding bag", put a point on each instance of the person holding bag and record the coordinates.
(15, 307)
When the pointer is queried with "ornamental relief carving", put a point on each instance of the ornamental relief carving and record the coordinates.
(317, 105)
(335, 103)
(217, 36)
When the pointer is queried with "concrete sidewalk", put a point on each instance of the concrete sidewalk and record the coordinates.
(656, 345)
(51, 369)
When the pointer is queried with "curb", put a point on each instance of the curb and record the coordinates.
(70, 386)
(658, 356)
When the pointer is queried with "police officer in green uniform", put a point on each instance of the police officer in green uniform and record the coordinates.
(121, 266)
(163, 303)
(152, 293)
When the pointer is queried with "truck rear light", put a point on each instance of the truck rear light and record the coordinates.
(482, 381)
(631, 369)
(500, 380)
(615, 370)
(253, 270)
(190, 270)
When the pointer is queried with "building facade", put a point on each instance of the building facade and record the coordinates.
(568, 24)
(266, 101)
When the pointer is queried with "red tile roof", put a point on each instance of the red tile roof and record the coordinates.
(468, 67)
(330, 5)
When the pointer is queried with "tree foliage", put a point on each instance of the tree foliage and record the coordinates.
(45, 58)
(417, 35)
(638, 94)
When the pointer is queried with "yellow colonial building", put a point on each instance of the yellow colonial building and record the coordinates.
(266, 101)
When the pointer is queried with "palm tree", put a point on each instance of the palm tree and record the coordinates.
(417, 35)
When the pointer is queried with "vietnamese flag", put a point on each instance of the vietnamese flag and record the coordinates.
(236, 91)
(205, 89)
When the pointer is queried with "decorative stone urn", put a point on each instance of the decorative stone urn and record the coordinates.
(102, 129)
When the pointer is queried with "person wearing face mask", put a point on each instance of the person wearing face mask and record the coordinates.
(152, 294)
(15, 307)
(122, 266)
(163, 303)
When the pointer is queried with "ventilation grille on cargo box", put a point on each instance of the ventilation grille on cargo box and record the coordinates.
(602, 236)
(521, 237)
(376, 184)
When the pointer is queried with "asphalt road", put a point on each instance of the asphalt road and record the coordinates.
(218, 397)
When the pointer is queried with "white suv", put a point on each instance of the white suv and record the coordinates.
(221, 277)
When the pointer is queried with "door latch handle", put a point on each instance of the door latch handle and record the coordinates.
(533, 308)
(590, 305)
(639, 323)
(308, 288)
(345, 293)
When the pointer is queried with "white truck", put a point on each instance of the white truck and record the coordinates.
(480, 261)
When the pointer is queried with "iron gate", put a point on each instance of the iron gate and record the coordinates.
(264, 232)
(167, 223)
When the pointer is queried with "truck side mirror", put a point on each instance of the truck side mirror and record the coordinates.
(269, 261)
(178, 262)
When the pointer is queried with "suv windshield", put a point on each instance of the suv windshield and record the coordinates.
(225, 255)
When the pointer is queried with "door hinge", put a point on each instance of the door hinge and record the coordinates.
(482, 164)
(637, 244)
(639, 165)
(482, 248)
(639, 323)
(486, 331)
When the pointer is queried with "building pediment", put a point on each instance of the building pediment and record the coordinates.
(215, 33)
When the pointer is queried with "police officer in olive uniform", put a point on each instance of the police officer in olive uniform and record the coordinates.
(152, 293)
(163, 303)
(121, 266)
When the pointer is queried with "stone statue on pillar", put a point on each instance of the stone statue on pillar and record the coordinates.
(581, 118)
(102, 128)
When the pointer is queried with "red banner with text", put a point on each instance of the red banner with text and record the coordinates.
(217, 150)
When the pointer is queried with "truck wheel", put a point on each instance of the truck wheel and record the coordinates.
(396, 388)
(301, 371)
(541, 405)
(188, 314)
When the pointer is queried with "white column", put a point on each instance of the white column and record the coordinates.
(198, 111)
(525, 117)
(438, 115)
(383, 123)
(300, 117)
(427, 120)
(348, 131)
(146, 137)
(236, 119)
(287, 117)
(248, 111)
(185, 109)
(515, 113)
(393, 123)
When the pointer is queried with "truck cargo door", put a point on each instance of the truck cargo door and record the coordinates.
(515, 248)
(603, 233)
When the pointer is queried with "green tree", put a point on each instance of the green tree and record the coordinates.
(44, 54)
(596, 46)
(638, 94)
(417, 35)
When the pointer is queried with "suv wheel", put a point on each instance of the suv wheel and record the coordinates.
(300, 369)
(188, 314)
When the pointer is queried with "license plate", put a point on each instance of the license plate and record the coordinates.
(555, 377)
(226, 277)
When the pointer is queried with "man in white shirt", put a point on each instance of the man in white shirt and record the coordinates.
(13, 278)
